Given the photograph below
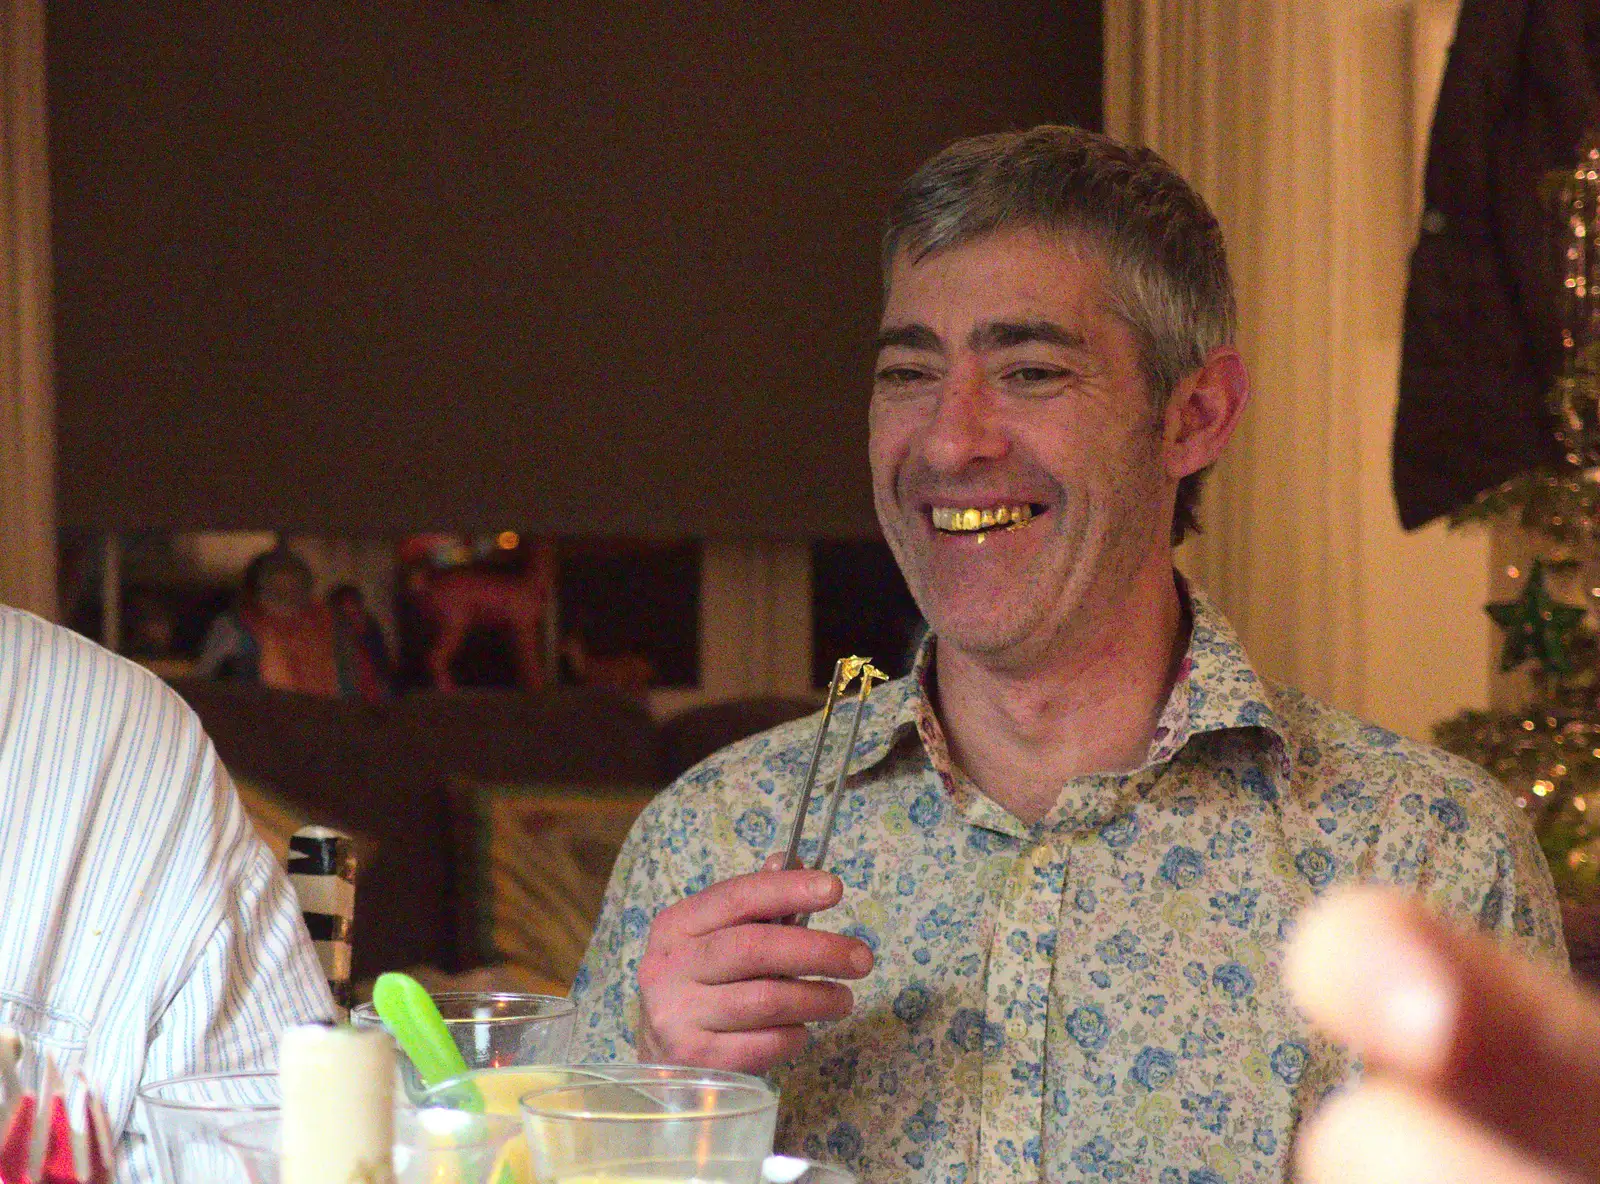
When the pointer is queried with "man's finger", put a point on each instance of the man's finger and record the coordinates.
(758, 896)
(1451, 1014)
(773, 1003)
(755, 1051)
(1386, 1133)
(751, 1052)
(777, 951)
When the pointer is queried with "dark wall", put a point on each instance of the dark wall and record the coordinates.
(362, 268)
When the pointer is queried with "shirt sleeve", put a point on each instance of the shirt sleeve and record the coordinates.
(248, 972)
(256, 973)
(1487, 867)
(1520, 906)
(606, 986)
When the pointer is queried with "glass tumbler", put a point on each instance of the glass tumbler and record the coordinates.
(430, 1146)
(492, 1029)
(686, 1126)
(187, 1116)
(499, 1091)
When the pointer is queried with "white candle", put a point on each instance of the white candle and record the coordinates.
(338, 1106)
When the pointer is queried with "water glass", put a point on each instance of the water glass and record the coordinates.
(187, 1117)
(492, 1029)
(430, 1145)
(653, 1125)
(499, 1091)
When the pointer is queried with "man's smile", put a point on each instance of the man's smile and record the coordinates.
(976, 519)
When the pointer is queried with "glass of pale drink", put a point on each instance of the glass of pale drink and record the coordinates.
(499, 1091)
(186, 1118)
(431, 1146)
(492, 1029)
(651, 1125)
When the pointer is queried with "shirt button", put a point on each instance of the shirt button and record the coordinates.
(1434, 221)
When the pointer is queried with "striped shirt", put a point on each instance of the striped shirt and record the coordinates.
(145, 931)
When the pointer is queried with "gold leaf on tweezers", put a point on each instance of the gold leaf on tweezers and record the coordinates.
(849, 669)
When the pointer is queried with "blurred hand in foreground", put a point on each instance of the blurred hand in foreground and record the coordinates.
(1480, 1067)
(722, 987)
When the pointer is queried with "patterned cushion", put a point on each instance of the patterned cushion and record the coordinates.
(533, 861)
(274, 816)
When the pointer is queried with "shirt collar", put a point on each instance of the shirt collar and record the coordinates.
(1216, 690)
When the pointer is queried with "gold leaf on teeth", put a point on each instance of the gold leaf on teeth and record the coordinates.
(967, 520)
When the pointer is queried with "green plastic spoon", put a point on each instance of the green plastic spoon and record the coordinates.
(414, 1020)
(411, 1015)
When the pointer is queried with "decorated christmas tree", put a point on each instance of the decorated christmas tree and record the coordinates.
(1548, 752)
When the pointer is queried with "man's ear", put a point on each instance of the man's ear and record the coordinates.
(1203, 411)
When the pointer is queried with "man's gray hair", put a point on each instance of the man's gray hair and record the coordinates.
(1166, 268)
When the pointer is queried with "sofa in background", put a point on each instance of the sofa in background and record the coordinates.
(486, 822)
(417, 780)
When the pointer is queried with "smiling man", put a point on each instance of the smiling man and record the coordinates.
(1077, 835)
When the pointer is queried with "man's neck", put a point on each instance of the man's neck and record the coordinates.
(1092, 707)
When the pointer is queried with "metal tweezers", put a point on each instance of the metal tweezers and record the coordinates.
(845, 671)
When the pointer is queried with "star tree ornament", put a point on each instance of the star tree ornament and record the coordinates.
(1537, 626)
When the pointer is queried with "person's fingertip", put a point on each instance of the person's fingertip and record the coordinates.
(826, 888)
(1385, 1133)
(1365, 965)
(773, 862)
(861, 960)
(786, 1042)
(845, 1002)
(1323, 1151)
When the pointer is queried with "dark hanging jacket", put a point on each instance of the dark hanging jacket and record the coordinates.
(1481, 337)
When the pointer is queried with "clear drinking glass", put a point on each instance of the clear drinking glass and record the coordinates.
(499, 1091)
(187, 1117)
(430, 1145)
(654, 1125)
(492, 1029)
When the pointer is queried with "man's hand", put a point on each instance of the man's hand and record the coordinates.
(1480, 1067)
(721, 987)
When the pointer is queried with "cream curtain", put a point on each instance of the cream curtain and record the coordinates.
(1297, 120)
(27, 419)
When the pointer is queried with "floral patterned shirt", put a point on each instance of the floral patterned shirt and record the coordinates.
(1095, 997)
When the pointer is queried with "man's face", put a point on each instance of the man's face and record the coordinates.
(1006, 389)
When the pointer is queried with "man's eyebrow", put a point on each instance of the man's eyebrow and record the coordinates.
(918, 337)
(1003, 334)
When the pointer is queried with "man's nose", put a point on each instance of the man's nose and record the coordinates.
(966, 426)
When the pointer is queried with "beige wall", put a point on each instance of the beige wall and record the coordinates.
(27, 417)
(1298, 121)
(755, 624)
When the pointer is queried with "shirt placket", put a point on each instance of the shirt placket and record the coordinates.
(1017, 1014)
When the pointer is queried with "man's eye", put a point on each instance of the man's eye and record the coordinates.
(900, 375)
(1035, 374)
